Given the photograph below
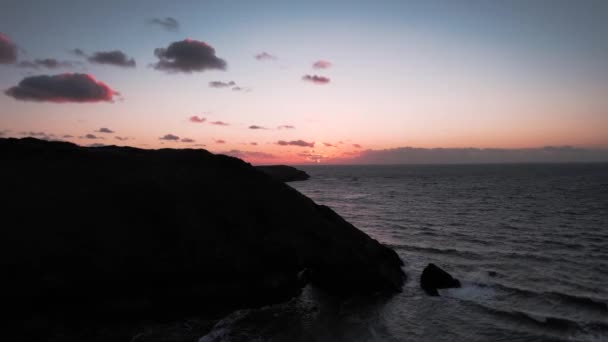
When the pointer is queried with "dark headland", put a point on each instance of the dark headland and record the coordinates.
(284, 173)
(119, 233)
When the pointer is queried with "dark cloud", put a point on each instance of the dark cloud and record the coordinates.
(67, 136)
(169, 137)
(220, 84)
(62, 88)
(357, 146)
(168, 23)
(78, 52)
(321, 64)
(265, 56)
(316, 79)
(50, 63)
(104, 130)
(197, 119)
(249, 154)
(286, 127)
(328, 145)
(301, 143)
(8, 50)
(115, 57)
(33, 134)
(91, 136)
(220, 123)
(96, 145)
(187, 140)
(220, 141)
(256, 127)
(188, 56)
(412, 155)
(253, 143)
(121, 138)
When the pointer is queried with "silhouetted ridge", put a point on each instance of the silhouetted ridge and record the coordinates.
(138, 233)
(284, 173)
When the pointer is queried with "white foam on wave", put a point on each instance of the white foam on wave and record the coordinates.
(470, 292)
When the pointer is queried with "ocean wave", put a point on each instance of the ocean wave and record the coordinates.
(581, 301)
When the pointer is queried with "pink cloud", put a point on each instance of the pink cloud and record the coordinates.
(321, 64)
(316, 79)
(197, 119)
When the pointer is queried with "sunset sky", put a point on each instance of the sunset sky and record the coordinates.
(301, 81)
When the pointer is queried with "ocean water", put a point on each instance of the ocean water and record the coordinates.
(528, 242)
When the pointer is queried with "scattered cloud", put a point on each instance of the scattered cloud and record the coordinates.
(121, 138)
(168, 23)
(253, 143)
(115, 57)
(62, 88)
(357, 146)
(321, 64)
(249, 154)
(67, 136)
(256, 127)
(104, 130)
(96, 145)
(316, 79)
(197, 119)
(220, 84)
(220, 123)
(169, 137)
(265, 56)
(328, 144)
(50, 63)
(8, 50)
(220, 141)
(286, 127)
(413, 155)
(188, 56)
(301, 143)
(187, 140)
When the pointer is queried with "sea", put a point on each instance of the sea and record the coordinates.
(529, 243)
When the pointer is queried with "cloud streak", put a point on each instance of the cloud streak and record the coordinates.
(300, 143)
(413, 155)
(116, 57)
(316, 79)
(62, 88)
(220, 84)
(167, 23)
(265, 56)
(49, 63)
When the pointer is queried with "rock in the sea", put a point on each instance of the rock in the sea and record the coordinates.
(434, 278)
(284, 173)
(125, 232)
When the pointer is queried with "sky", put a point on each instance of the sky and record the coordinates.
(310, 81)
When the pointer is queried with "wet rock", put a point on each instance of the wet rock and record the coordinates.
(434, 278)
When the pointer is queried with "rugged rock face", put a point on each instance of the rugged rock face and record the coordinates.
(434, 278)
(140, 232)
(284, 173)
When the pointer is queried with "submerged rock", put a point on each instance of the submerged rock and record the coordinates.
(434, 278)
(122, 232)
(284, 173)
